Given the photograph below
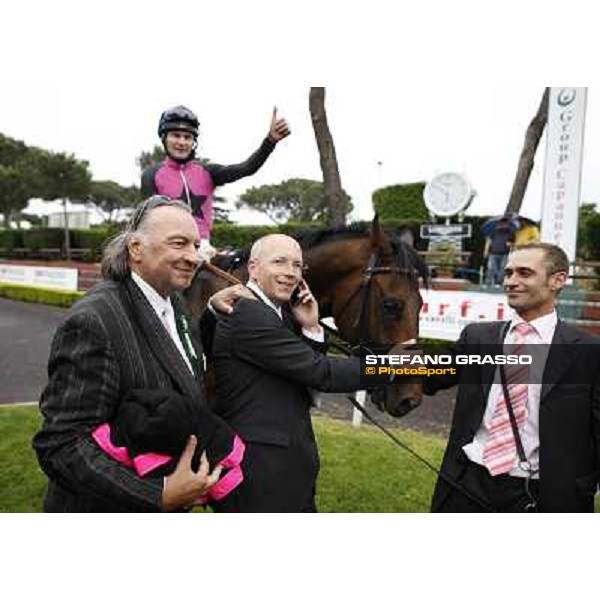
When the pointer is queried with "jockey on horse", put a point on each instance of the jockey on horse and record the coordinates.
(180, 177)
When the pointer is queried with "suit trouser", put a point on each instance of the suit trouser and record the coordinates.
(504, 493)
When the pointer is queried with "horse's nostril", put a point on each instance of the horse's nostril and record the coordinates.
(402, 406)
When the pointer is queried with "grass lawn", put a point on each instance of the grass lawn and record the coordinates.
(22, 483)
(361, 470)
(364, 471)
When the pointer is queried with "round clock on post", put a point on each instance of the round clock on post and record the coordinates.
(447, 194)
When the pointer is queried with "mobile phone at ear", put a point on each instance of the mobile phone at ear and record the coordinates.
(295, 297)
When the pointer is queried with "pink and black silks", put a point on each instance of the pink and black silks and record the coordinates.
(150, 432)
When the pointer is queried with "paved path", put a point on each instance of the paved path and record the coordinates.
(433, 416)
(26, 332)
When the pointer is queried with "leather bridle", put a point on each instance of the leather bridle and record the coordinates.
(371, 270)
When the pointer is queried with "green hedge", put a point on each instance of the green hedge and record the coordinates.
(223, 235)
(38, 238)
(92, 240)
(589, 238)
(11, 238)
(401, 202)
(234, 236)
(26, 293)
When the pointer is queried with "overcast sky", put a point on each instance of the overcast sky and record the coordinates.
(414, 133)
(95, 82)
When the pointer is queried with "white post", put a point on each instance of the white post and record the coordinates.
(361, 398)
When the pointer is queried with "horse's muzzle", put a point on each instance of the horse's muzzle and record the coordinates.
(396, 400)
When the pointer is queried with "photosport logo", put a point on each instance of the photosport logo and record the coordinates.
(531, 364)
(381, 368)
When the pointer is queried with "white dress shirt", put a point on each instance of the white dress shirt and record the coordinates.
(529, 431)
(252, 285)
(164, 310)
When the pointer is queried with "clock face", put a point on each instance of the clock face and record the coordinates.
(447, 194)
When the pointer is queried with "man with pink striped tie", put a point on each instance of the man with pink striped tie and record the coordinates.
(519, 442)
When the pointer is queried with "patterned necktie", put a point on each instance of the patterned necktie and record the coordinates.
(500, 451)
(174, 335)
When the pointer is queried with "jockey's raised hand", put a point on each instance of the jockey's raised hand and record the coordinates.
(279, 128)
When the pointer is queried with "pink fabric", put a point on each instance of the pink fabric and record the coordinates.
(232, 478)
(169, 182)
(224, 486)
(500, 451)
(101, 436)
(234, 458)
(145, 463)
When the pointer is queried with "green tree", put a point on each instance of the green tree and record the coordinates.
(401, 202)
(292, 200)
(19, 176)
(110, 197)
(64, 177)
(14, 191)
(588, 232)
(12, 151)
(147, 159)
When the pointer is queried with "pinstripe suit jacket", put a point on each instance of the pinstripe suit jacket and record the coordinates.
(112, 341)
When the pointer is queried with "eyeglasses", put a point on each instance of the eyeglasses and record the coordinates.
(144, 207)
(283, 263)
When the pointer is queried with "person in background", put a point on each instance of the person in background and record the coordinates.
(495, 251)
(528, 233)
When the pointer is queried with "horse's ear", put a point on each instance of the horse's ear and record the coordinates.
(379, 239)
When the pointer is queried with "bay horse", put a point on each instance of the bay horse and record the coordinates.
(366, 280)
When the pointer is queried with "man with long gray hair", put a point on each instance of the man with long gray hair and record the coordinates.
(129, 333)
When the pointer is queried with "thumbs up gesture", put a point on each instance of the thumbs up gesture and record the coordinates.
(279, 128)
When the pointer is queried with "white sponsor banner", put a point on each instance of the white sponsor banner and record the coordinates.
(562, 174)
(47, 277)
(445, 314)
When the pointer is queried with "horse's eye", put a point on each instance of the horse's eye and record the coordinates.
(393, 307)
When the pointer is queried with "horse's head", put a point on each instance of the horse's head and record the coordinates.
(370, 283)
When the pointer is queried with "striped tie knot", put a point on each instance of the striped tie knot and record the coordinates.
(522, 330)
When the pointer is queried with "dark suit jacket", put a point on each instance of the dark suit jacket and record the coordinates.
(111, 342)
(569, 417)
(263, 372)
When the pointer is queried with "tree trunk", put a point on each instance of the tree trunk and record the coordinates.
(526, 161)
(329, 165)
(7, 219)
(67, 236)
